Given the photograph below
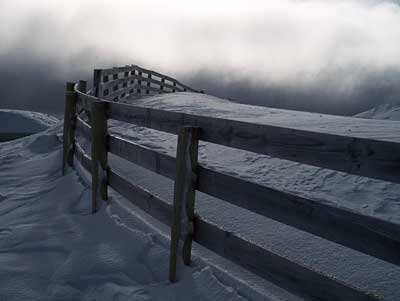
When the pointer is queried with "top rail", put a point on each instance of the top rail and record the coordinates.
(358, 156)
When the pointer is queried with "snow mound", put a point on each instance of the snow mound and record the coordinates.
(385, 111)
(17, 121)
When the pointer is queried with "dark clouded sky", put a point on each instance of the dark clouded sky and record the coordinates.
(328, 56)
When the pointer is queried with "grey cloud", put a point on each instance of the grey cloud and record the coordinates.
(336, 57)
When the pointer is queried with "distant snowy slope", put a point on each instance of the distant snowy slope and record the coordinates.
(16, 121)
(385, 111)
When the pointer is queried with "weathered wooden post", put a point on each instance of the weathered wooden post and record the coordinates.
(139, 82)
(99, 153)
(162, 85)
(148, 83)
(97, 82)
(82, 86)
(69, 126)
(184, 197)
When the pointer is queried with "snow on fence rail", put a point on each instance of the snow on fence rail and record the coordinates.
(370, 158)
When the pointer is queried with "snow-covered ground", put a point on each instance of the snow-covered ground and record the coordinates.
(52, 248)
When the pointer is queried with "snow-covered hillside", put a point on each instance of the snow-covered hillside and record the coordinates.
(385, 111)
(16, 121)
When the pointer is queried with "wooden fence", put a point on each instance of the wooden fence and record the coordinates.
(122, 82)
(366, 234)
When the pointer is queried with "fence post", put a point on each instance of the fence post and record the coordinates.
(97, 82)
(148, 83)
(139, 82)
(99, 153)
(162, 85)
(69, 126)
(184, 196)
(82, 86)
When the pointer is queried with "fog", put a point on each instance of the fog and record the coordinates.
(337, 57)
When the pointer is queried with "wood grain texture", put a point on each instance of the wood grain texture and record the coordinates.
(184, 197)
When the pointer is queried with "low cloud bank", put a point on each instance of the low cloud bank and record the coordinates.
(337, 57)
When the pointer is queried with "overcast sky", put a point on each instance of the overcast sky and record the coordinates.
(329, 56)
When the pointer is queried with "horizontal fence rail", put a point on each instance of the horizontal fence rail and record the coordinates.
(365, 157)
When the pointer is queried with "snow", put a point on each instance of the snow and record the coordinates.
(17, 121)
(53, 248)
(385, 111)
